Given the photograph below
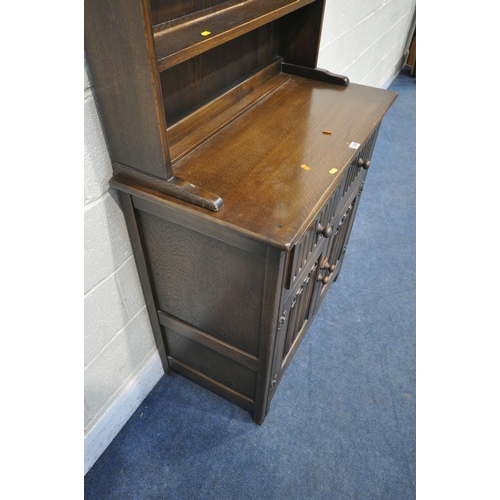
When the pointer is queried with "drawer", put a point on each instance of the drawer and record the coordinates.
(357, 169)
(322, 227)
(318, 231)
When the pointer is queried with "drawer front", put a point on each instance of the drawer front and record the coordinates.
(318, 231)
(357, 168)
(322, 226)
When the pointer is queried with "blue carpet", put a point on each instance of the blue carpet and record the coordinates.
(342, 423)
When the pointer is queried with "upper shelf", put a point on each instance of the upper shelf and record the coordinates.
(183, 38)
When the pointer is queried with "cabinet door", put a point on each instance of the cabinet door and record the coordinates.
(338, 244)
(294, 318)
(330, 261)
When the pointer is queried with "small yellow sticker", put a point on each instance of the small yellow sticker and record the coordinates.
(333, 170)
(205, 33)
(305, 167)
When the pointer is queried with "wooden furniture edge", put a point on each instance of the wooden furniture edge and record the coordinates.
(319, 74)
(229, 351)
(167, 60)
(143, 271)
(173, 186)
(189, 131)
(176, 212)
(218, 387)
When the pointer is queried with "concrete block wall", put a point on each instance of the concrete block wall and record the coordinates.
(363, 40)
(121, 362)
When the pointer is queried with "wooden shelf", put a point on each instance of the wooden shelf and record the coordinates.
(183, 38)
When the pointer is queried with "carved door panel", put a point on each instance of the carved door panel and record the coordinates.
(295, 314)
(338, 243)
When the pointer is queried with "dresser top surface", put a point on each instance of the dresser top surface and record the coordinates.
(275, 166)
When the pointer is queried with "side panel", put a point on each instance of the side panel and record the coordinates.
(207, 283)
(217, 304)
(120, 54)
(301, 31)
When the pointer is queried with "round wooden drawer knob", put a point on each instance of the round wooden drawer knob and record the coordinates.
(325, 231)
(324, 279)
(364, 163)
(326, 265)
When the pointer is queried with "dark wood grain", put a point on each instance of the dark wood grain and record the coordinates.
(215, 287)
(171, 209)
(294, 322)
(212, 384)
(211, 363)
(300, 35)
(165, 10)
(187, 85)
(315, 73)
(203, 225)
(177, 42)
(143, 269)
(241, 165)
(119, 51)
(173, 186)
(306, 248)
(337, 249)
(255, 162)
(208, 119)
(267, 332)
(227, 350)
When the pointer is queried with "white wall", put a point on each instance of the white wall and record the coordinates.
(121, 360)
(363, 40)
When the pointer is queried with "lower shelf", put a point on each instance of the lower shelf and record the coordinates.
(212, 384)
(234, 370)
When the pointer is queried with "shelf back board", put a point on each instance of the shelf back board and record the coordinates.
(182, 38)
